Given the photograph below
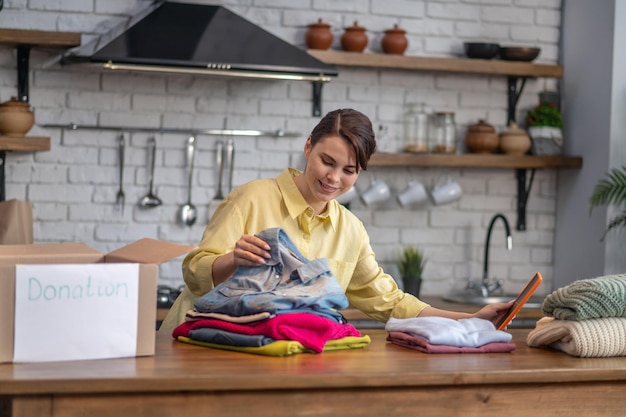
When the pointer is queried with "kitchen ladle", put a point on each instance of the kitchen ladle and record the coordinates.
(150, 200)
(188, 213)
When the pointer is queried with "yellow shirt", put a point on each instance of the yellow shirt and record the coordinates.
(337, 235)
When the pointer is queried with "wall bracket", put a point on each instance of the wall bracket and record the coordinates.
(514, 95)
(23, 54)
(317, 98)
(523, 192)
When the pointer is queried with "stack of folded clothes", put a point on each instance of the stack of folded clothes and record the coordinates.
(288, 305)
(443, 335)
(586, 318)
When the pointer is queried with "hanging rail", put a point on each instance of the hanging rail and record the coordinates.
(210, 132)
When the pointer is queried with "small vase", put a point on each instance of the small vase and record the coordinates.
(514, 141)
(16, 118)
(394, 42)
(481, 138)
(354, 38)
(412, 285)
(319, 36)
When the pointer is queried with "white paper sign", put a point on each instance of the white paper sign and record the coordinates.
(74, 312)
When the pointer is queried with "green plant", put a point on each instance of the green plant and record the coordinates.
(411, 263)
(545, 114)
(611, 190)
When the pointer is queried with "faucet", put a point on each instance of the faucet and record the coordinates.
(486, 286)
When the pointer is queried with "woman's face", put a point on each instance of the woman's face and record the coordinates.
(331, 170)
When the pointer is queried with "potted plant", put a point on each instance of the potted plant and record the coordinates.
(545, 125)
(411, 265)
(611, 190)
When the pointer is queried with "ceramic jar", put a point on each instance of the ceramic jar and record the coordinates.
(16, 118)
(354, 38)
(319, 35)
(394, 41)
(514, 141)
(481, 138)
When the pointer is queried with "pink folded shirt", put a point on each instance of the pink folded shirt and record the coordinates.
(419, 343)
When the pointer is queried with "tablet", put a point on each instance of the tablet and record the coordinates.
(521, 299)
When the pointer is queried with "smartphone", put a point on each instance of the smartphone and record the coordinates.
(521, 299)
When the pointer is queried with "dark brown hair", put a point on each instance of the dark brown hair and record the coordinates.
(354, 127)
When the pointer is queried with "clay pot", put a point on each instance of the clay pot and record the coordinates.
(319, 35)
(354, 38)
(16, 118)
(481, 138)
(394, 41)
(515, 141)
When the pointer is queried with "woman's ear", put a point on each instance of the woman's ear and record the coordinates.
(307, 147)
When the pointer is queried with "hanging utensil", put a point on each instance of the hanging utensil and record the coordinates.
(230, 160)
(219, 195)
(188, 213)
(151, 200)
(120, 198)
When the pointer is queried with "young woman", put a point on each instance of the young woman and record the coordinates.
(303, 204)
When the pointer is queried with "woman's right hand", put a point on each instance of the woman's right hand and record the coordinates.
(251, 251)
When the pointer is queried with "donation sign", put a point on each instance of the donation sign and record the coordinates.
(75, 311)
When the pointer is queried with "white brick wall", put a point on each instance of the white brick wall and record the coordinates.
(73, 186)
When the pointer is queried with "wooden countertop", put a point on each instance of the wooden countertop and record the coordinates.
(184, 379)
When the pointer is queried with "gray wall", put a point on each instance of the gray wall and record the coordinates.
(594, 109)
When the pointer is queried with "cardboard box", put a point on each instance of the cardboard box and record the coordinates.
(16, 222)
(148, 253)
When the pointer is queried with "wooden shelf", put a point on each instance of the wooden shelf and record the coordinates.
(24, 144)
(454, 65)
(475, 161)
(39, 38)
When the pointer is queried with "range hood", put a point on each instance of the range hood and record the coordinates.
(198, 39)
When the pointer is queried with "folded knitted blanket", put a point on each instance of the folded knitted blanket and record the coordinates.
(588, 299)
(593, 338)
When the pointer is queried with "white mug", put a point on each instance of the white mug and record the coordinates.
(446, 191)
(414, 193)
(348, 196)
(377, 192)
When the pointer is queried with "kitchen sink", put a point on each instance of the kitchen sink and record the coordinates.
(469, 298)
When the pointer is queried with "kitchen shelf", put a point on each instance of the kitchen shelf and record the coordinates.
(454, 65)
(41, 38)
(24, 144)
(24, 40)
(520, 163)
(513, 70)
(475, 161)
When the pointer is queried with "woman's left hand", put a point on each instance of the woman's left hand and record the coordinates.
(493, 312)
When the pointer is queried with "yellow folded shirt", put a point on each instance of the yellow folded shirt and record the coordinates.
(285, 347)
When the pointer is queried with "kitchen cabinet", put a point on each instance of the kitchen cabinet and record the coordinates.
(516, 72)
(24, 41)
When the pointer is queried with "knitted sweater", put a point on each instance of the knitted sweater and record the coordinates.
(593, 338)
(588, 298)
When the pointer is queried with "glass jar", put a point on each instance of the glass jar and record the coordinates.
(443, 139)
(416, 129)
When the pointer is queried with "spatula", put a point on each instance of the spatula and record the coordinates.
(219, 195)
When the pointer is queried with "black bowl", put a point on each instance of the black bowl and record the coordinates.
(481, 50)
(519, 53)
